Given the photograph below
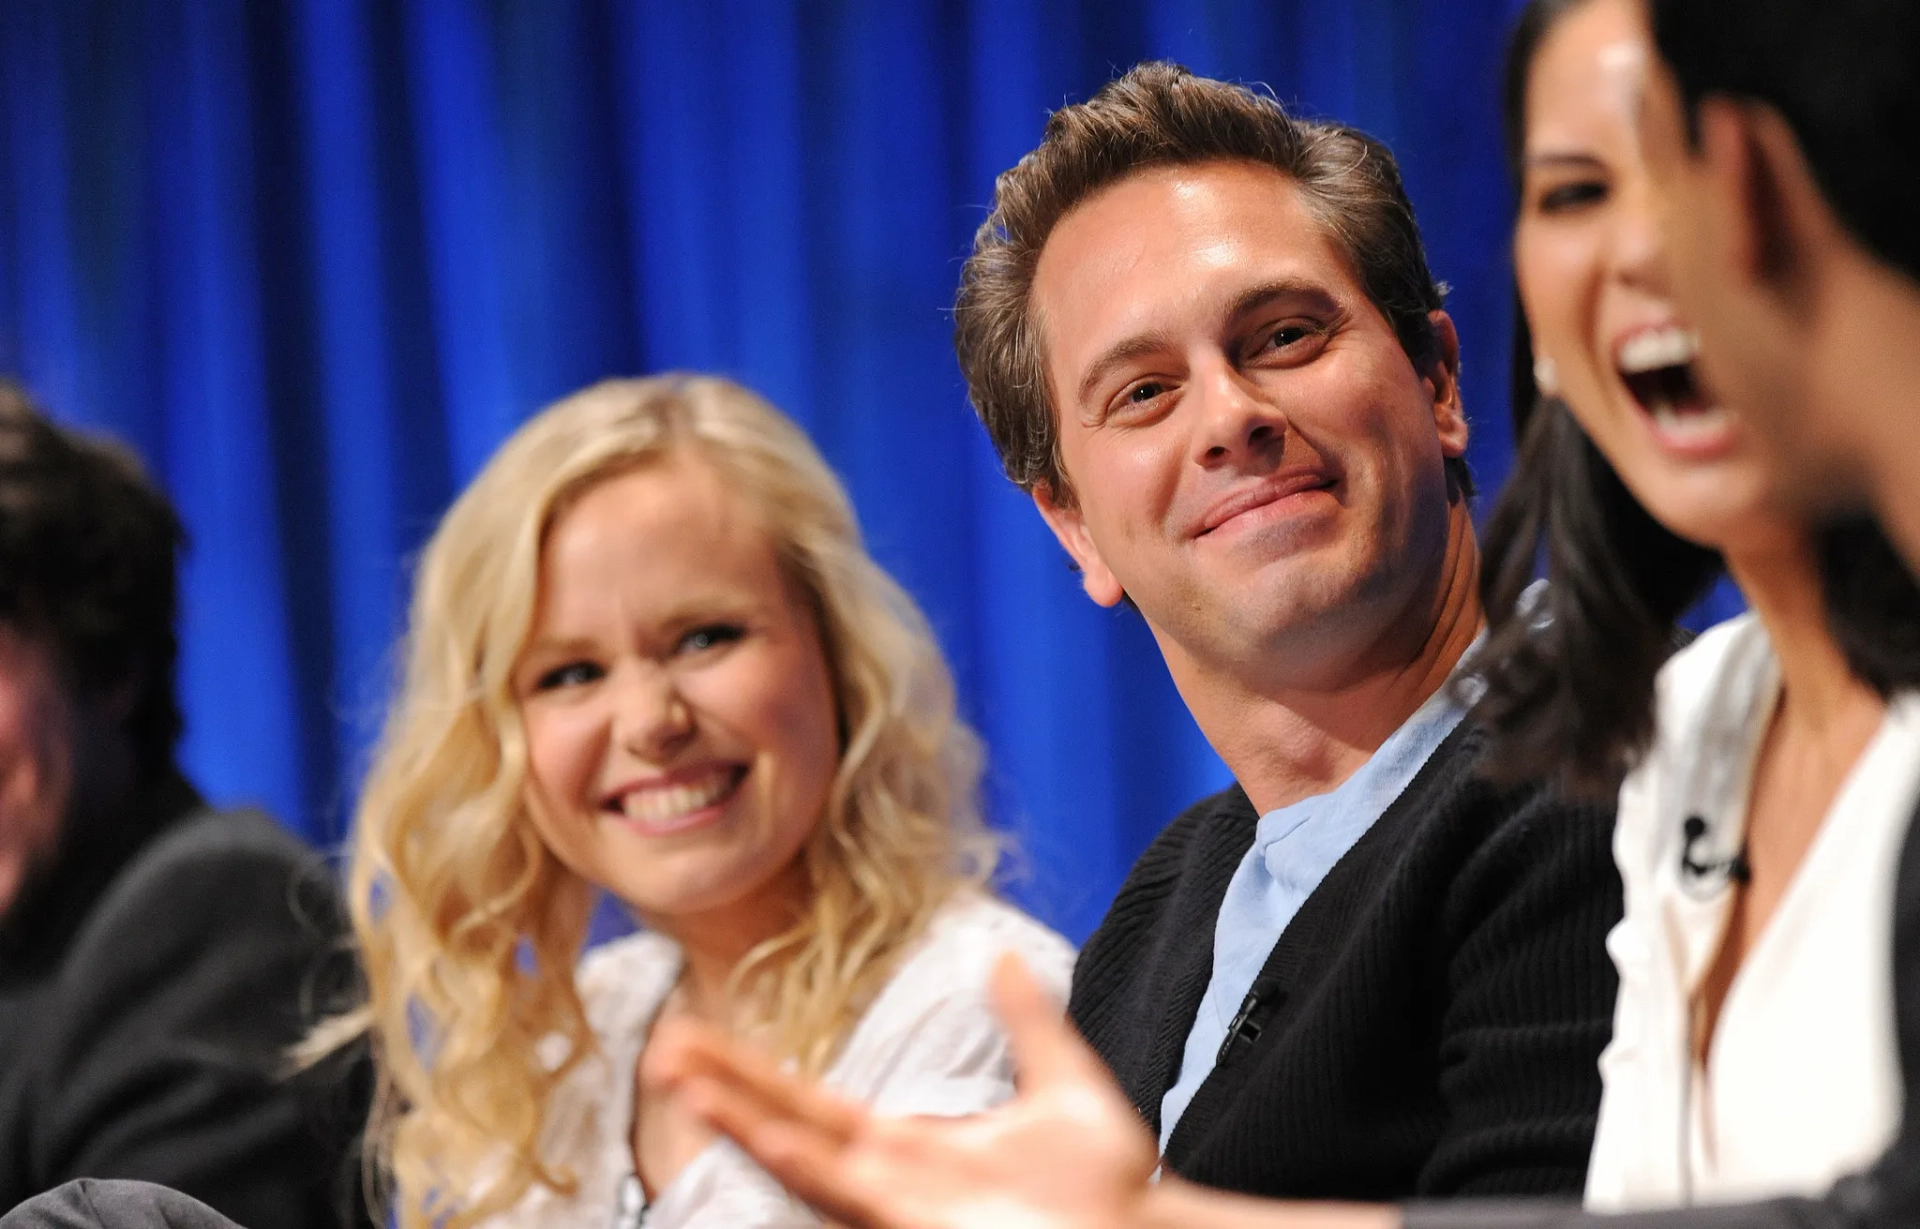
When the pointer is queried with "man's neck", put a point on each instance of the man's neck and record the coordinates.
(1284, 742)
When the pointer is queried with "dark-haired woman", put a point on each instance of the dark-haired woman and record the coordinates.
(1772, 777)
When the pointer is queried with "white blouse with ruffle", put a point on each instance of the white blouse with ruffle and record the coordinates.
(1802, 1080)
(929, 1044)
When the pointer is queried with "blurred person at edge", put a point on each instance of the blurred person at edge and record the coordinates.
(1365, 970)
(1761, 217)
(113, 1203)
(649, 655)
(158, 958)
(1774, 764)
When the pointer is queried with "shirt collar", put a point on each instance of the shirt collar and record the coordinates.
(1365, 795)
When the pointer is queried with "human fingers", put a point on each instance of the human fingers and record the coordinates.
(1046, 1048)
(684, 1051)
(807, 1161)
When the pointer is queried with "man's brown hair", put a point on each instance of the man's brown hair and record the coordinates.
(1160, 114)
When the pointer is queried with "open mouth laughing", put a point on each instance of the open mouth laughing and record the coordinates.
(1657, 366)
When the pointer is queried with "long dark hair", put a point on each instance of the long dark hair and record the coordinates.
(1569, 669)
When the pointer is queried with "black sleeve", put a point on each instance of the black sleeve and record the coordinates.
(164, 1049)
(90, 1203)
(1112, 951)
(1528, 994)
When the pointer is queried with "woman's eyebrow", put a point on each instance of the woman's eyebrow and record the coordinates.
(552, 646)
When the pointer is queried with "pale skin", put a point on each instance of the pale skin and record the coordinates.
(681, 734)
(1590, 254)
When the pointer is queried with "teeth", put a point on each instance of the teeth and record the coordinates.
(1691, 425)
(662, 803)
(1668, 347)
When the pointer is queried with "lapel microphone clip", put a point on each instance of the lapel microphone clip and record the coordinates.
(1734, 869)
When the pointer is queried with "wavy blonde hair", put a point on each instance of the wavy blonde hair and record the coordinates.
(470, 928)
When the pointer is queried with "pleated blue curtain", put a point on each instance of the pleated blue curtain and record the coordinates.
(315, 258)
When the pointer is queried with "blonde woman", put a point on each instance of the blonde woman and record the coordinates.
(648, 654)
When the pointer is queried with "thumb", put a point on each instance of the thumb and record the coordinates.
(1046, 1048)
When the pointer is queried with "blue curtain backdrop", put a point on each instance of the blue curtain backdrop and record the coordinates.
(315, 259)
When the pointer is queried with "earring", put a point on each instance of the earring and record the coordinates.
(1546, 376)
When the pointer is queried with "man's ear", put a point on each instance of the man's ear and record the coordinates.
(1772, 218)
(1442, 378)
(1064, 518)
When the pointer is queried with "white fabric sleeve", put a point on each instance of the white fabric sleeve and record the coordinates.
(932, 1043)
(929, 1044)
(723, 1189)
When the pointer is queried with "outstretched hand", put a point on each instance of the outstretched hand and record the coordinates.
(1068, 1152)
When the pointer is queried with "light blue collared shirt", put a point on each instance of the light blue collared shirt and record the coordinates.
(1293, 849)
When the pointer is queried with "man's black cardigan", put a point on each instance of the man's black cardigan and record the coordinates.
(1436, 1009)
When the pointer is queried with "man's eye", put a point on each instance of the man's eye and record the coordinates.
(710, 636)
(1136, 402)
(1287, 341)
(573, 674)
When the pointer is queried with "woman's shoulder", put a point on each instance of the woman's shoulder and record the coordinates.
(1903, 713)
(945, 974)
(623, 981)
(1708, 698)
(973, 930)
(930, 1042)
(1709, 694)
(1696, 678)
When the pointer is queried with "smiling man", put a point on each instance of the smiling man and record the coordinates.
(1204, 336)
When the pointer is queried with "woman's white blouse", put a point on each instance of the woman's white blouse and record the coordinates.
(929, 1044)
(1802, 1082)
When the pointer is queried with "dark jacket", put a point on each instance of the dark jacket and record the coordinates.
(1434, 1014)
(150, 987)
(1887, 1196)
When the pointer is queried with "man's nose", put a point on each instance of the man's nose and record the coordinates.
(651, 717)
(1237, 421)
